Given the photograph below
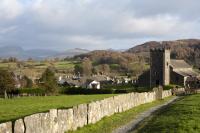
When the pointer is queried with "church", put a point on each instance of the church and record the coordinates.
(164, 71)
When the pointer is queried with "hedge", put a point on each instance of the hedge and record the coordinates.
(31, 91)
(100, 91)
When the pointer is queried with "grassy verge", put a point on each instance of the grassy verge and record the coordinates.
(108, 124)
(180, 117)
(18, 107)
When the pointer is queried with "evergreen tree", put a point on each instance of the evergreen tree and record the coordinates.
(48, 81)
(7, 82)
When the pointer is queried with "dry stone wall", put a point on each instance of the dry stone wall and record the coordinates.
(62, 120)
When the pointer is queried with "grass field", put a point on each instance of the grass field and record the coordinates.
(180, 117)
(40, 64)
(15, 108)
(108, 124)
(36, 68)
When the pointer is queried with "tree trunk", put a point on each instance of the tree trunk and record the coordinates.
(5, 94)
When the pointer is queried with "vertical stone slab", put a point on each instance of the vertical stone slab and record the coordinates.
(94, 112)
(80, 116)
(53, 113)
(158, 92)
(111, 106)
(32, 123)
(19, 126)
(65, 120)
(38, 123)
(6, 127)
(45, 122)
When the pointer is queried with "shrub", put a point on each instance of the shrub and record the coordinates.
(86, 91)
(171, 86)
(31, 91)
(74, 90)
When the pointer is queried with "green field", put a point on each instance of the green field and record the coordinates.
(36, 68)
(108, 124)
(11, 109)
(180, 117)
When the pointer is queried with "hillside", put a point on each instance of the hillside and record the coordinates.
(71, 53)
(37, 54)
(118, 62)
(188, 49)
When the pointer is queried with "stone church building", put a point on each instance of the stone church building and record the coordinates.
(164, 70)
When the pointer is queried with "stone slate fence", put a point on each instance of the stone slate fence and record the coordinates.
(62, 120)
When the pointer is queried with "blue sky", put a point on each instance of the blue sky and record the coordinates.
(96, 24)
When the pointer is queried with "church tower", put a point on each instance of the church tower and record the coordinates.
(159, 67)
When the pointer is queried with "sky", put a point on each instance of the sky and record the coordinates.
(96, 24)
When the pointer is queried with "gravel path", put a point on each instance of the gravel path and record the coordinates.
(140, 118)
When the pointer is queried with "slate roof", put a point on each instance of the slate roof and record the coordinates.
(178, 64)
(85, 80)
(187, 72)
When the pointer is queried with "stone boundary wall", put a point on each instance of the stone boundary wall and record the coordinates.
(178, 91)
(62, 120)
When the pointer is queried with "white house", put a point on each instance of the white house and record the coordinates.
(61, 80)
(94, 85)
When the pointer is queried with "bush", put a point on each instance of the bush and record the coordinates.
(171, 86)
(74, 90)
(29, 91)
(86, 91)
(119, 86)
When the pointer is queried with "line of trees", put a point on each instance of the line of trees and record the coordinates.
(88, 67)
(47, 82)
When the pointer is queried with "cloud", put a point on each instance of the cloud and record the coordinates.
(7, 29)
(94, 24)
(10, 9)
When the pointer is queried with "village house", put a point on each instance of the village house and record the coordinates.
(93, 84)
(84, 82)
(17, 79)
(164, 71)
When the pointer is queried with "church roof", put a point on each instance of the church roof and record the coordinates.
(178, 64)
(187, 72)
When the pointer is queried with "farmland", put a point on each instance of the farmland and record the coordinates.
(35, 68)
(18, 107)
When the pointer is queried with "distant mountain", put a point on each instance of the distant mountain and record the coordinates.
(116, 50)
(71, 53)
(188, 49)
(18, 52)
(8, 51)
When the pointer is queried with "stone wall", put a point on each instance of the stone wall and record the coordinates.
(62, 120)
(166, 93)
(178, 91)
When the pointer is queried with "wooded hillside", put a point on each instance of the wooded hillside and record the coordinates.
(188, 50)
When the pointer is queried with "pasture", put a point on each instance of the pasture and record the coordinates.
(36, 68)
(180, 117)
(11, 109)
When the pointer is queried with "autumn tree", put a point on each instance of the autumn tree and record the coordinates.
(87, 67)
(26, 82)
